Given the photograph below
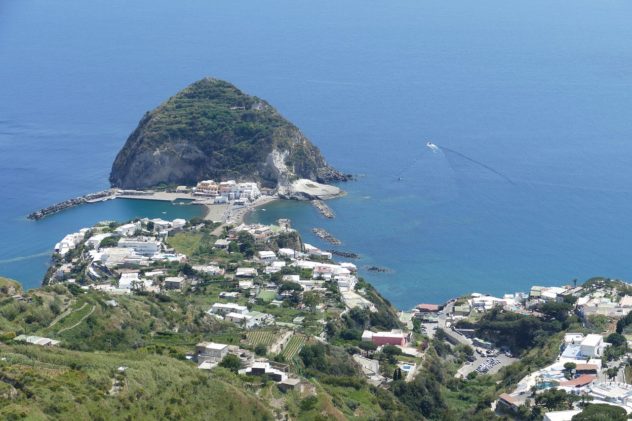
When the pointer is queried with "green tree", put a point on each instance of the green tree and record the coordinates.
(261, 349)
(601, 412)
(311, 299)
(555, 399)
(568, 369)
(231, 362)
(616, 339)
(391, 350)
(555, 310)
(309, 403)
(233, 247)
(367, 346)
(246, 244)
(612, 372)
(109, 242)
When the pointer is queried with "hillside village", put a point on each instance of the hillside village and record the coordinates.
(258, 301)
(591, 364)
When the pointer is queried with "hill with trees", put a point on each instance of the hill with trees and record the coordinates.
(212, 130)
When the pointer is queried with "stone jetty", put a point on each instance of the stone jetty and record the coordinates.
(347, 254)
(323, 208)
(70, 203)
(322, 233)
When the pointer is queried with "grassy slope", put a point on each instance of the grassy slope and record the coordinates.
(66, 384)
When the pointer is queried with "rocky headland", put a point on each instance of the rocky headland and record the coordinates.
(212, 130)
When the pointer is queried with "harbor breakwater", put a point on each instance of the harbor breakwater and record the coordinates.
(70, 203)
(323, 208)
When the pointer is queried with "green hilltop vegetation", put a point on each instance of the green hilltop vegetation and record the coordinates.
(212, 130)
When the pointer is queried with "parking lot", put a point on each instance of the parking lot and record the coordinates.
(485, 364)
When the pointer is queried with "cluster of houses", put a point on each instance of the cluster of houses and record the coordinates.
(71, 241)
(227, 191)
(132, 245)
(584, 378)
(343, 274)
(604, 303)
(598, 302)
(587, 377)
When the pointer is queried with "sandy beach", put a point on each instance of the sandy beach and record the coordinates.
(236, 216)
(216, 213)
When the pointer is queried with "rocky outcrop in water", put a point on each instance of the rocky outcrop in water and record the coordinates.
(212, 130)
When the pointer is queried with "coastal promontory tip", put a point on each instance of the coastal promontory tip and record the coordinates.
(213, 130)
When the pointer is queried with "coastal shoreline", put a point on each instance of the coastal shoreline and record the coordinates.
(214, 212)
(240, 214)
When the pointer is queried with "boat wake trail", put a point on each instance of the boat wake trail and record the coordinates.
(21, 258)
(479, 163)
(407, 168)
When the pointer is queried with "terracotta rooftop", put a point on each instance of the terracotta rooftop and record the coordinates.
(582, 380)
(586, 367)
(509, 399)
(428, 307)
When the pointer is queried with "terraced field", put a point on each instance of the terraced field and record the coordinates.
(70, 318)
(294, 346)
(265, 337)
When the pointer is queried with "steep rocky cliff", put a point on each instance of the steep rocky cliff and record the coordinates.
(212, 130)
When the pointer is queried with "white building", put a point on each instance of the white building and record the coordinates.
(160, 225)
(285, 252)
(174, 282)
(178, 223)
(96, 239)
(209, 269)
(70, 241)
(592, 345)
(223, 309)
(316, 252)
(619, 394)
(222, 243)
(246, 272)
(275, 267)
(246, 285)
(248, 191)
(128, 230)
(267, 256)
(128, 280)
(141, 245)
(346, 282)
(573, 338)
(116, 256)
(261, 368)
(210, 351)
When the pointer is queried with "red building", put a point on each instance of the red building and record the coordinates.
(428, 308)
(394, 337)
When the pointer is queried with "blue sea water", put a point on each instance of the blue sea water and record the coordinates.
(538, 91)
